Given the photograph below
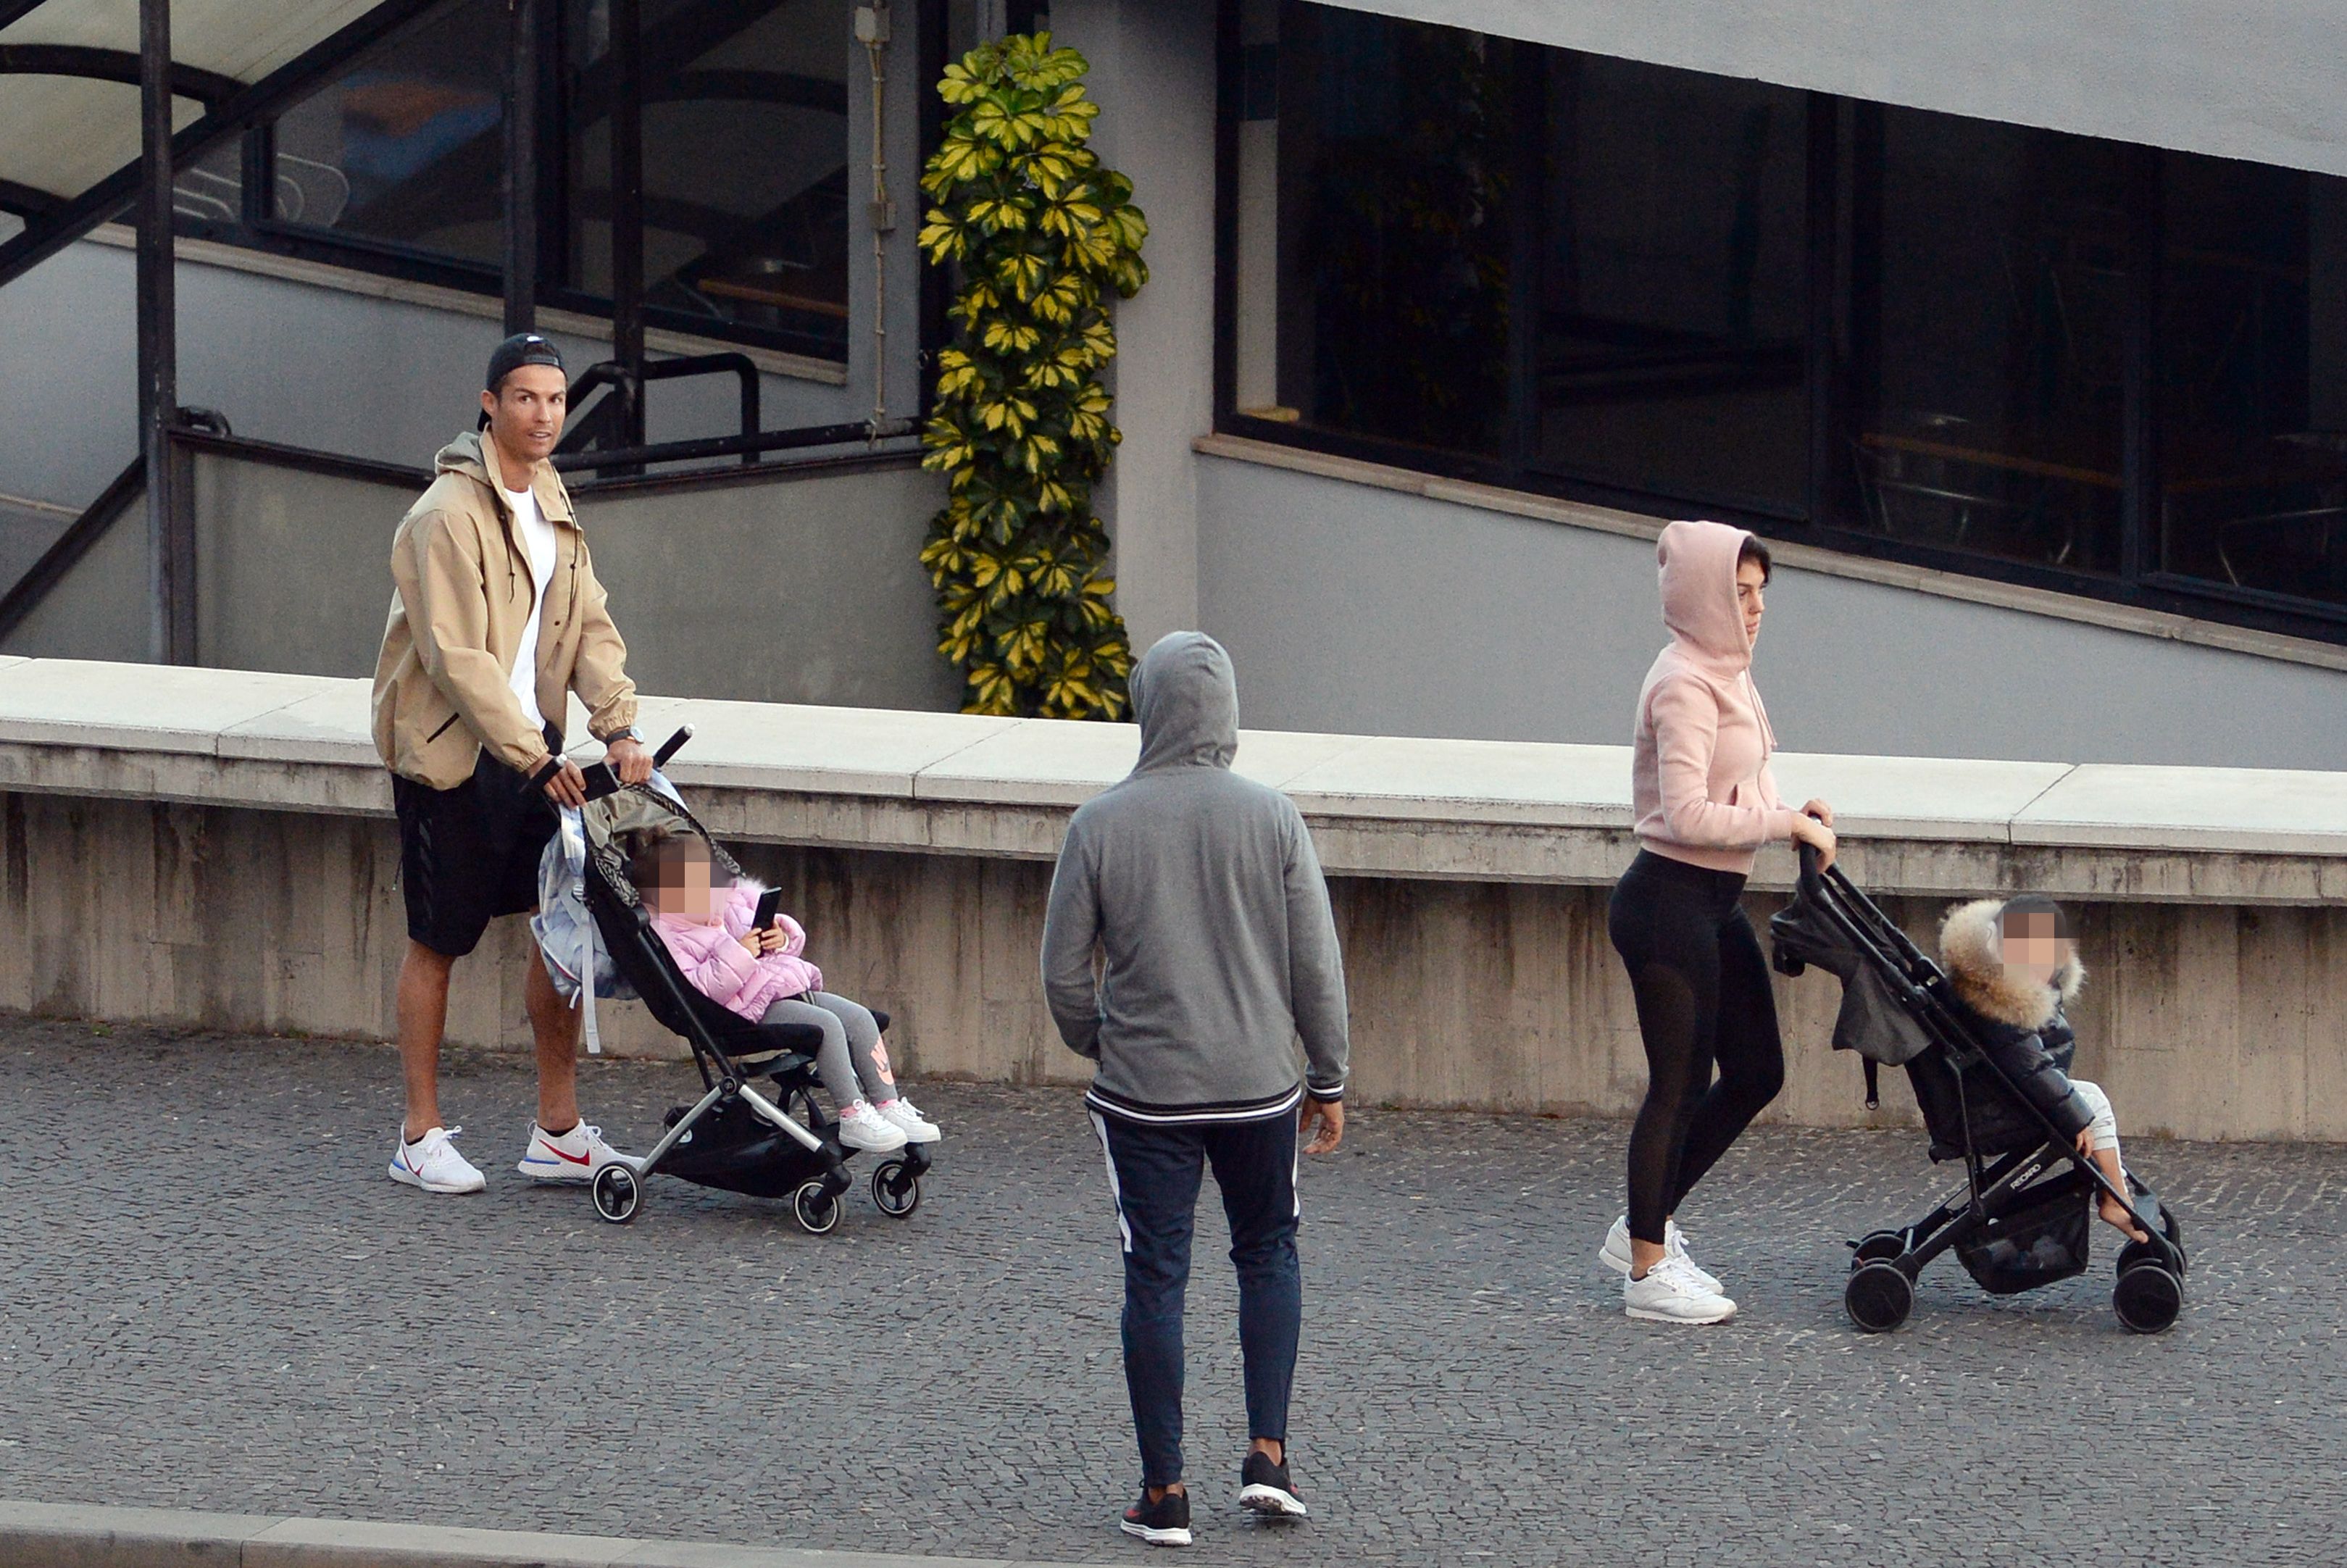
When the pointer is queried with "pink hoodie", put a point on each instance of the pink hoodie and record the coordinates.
(1699, 767)
(719, 968)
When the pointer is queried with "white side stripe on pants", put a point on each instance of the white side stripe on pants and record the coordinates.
(1115, 1195)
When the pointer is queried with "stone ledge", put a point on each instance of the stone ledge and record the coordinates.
(1475, 811)
(72, 1535)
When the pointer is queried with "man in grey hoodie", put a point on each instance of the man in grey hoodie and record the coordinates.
(1205, 894)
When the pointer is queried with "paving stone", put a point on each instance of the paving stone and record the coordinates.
(216, 1301)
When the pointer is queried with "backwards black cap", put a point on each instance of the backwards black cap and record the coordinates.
(522, 349)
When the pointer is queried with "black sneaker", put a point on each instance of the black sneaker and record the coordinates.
(1264, 1489)
(1165, 1523)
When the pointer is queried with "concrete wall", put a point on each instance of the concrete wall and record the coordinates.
(1360, 611)
(323, 368)
(803, 588)
(2201, 1020)
(2255, 82)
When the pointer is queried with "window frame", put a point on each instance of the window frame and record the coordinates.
(258, 228)
(1832, 516)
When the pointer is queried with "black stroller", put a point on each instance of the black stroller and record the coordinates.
(2023, 1218)
(734, 1136)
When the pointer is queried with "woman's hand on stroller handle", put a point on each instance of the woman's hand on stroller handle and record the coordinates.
(1813, 838)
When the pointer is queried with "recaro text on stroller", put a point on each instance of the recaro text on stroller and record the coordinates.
(2022, 1220)
(732, 1137)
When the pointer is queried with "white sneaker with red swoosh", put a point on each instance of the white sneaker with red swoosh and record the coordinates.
(574, 1156)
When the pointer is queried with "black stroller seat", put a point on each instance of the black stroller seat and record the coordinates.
(2023, 1218)
(734, 1137)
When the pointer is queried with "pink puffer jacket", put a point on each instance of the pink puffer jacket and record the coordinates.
(719, 968)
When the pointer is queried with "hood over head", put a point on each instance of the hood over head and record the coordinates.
(1972, 947)
(1695, 564)
(1187, 702)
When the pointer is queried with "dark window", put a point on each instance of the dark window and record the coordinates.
(2061, 361)
(2253, 377)
(406, 148)
(1990, 298)
(1673, 312)
(744, 159)
(1395, 198)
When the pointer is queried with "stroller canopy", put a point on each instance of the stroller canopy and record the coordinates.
(1872, 1020)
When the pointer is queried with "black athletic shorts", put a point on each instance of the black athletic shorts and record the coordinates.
(470, 854)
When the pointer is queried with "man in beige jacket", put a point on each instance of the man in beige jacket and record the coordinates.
(497, 618)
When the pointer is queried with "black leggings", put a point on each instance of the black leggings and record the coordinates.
(1702, 994)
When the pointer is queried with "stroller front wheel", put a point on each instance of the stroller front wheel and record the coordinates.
(817, 1211)
(617, 1193)
(2147, 1298)
(1878, 1247)
(896, 1190)
(1878, 1298)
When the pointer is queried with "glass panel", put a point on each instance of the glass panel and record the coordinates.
(2253, 376)
(1989, 282)
(1674, 304)
(1395, 189)
(407, 147)
(210, 190)
(745, 162)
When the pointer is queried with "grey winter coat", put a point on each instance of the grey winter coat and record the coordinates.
(1203, 893)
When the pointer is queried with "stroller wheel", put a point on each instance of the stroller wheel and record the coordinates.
(1879, 1296)
(817, 1211)
(2135, 1254)
(896, 1190)
(2147, 1298)
(616, 1192)
(1876, 1246)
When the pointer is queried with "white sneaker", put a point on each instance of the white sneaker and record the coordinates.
(1615, 1254)
(861, 1127)
(573, 1158)
(907, 1118)
(1671, 1294)
(432, 1164)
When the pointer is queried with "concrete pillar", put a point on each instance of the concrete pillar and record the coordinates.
(1153, 74)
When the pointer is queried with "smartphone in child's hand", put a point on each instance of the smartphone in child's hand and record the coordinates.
(770, 906)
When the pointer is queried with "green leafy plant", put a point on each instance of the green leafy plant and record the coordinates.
(1040, 233)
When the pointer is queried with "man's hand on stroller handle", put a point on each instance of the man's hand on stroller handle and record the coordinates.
(567, 786)
(630, 759)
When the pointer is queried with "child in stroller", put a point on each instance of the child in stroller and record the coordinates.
(737, 1136)
(761, 975)
(1984, 1051)
(2015, 968)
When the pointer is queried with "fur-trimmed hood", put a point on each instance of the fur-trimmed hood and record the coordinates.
(1969, 947)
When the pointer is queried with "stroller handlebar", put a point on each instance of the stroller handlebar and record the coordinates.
(672, 745)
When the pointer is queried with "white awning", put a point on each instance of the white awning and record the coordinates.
(2262, 82)
(60, 135)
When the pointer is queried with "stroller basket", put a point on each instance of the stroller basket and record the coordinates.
(2023, 1219)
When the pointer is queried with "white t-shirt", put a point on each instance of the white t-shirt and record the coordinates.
(537, 543)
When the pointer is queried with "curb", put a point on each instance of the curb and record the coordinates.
(74, 1535)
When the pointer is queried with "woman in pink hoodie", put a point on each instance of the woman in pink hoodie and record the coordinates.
(1704, 802)
(762, 976)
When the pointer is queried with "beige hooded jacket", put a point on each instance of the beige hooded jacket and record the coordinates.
(463, 595)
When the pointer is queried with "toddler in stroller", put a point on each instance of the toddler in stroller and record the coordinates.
(1985, 1045)
(772, 1142)
(758, 971)
(2014, 967)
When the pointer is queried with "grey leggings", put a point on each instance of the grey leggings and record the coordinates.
(852, 1060)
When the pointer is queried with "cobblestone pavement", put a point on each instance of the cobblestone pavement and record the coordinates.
(214, 1299)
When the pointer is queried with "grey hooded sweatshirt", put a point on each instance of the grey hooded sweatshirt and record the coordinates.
(1204, 892)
